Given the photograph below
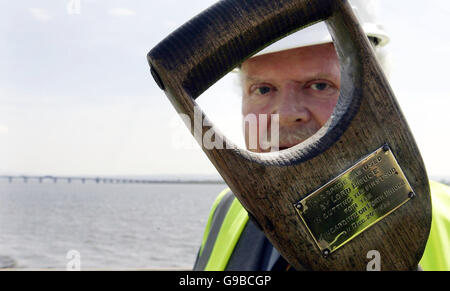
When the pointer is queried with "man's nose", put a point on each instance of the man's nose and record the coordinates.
(291, 106)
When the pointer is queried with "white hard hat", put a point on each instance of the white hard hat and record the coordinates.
(366, 12)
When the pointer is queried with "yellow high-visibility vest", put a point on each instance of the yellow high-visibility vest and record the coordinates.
(436, 255)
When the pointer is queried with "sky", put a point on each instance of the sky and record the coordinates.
(77, 97)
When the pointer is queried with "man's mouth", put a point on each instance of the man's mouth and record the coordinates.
(287, 146)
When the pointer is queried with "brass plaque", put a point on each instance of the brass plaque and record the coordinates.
(355, 200)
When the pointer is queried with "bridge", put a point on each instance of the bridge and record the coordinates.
(98, 180)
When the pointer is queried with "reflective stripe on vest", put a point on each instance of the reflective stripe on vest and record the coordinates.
(211, 217)
(218, 243)
(437, 251)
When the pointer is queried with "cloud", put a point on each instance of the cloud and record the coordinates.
(171, 24)
(40, 14)
(3, 129)
(121, 12)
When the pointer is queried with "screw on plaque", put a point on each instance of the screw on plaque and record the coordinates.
(299, 206)
(411, 195)
(325, 253)
(385, 148)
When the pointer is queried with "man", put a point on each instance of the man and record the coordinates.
(300, 83)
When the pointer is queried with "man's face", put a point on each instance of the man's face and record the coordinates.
(301, 85)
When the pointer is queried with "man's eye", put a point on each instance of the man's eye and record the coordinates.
(263, 90)
(320, 86)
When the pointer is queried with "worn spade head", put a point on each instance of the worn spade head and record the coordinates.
(358, 185)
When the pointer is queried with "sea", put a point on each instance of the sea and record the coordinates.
(103, 226)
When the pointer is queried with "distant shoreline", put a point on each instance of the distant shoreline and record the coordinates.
(125, 180)
(104, 180)
(186, 182)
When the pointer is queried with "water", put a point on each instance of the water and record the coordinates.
(112, 226)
